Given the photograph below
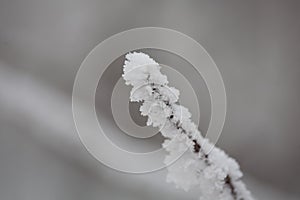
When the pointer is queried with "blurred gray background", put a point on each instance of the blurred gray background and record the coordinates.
(42, 44)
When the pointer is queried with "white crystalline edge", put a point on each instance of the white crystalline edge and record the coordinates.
(206, 169)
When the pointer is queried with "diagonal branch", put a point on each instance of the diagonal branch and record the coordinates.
(217, 175)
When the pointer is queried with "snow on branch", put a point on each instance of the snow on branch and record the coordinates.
(199, 166)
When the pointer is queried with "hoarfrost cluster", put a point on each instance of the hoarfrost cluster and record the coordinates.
(200, 165)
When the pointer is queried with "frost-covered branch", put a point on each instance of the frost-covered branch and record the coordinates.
(210, 169)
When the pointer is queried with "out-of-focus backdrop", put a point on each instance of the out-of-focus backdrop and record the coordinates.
(42, 44)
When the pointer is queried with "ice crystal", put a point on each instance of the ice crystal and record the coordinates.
(209, 169)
